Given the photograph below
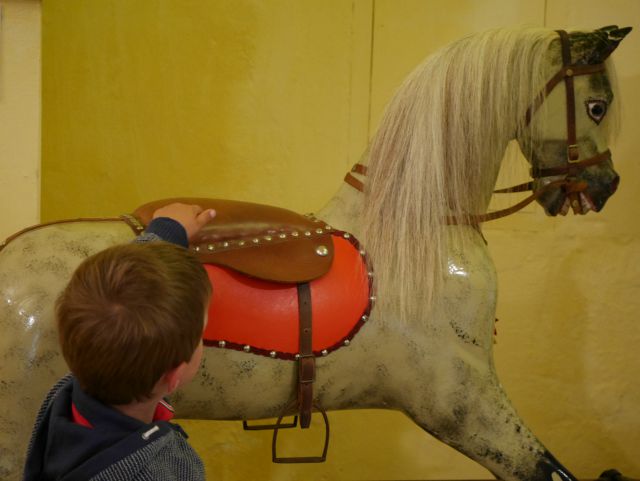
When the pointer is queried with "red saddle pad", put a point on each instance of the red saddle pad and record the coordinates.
(262, 317)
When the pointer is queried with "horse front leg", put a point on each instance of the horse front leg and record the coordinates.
(474, 416)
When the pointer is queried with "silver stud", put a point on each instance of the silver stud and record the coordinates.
(319, 231)
(322, 251)
(346, 342)
(324, 352)
(256, 241)
(241, 243)
(282, 236)
(297, 356)
(307, 233)
(221, 344)
(346, 235)
(294, 233)
(362, 252)
(272, 354)
(211, 247)
(365, 318)
(225, 244)
(268, 237)
(328, 227)
(370, 274)
(372, 299)
(246, 348)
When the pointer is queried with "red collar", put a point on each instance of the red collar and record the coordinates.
(164, 412)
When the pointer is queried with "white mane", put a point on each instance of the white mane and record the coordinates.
(437, 153)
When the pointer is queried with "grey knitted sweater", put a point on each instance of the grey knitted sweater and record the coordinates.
(116, 448)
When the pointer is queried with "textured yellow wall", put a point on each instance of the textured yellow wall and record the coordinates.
(271, 101)
(19, 115)
(250, 100)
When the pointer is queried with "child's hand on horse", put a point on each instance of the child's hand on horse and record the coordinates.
(192, 217)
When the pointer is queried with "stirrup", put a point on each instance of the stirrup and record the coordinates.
(300, 459)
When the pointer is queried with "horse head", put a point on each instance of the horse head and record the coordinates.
(571, 163)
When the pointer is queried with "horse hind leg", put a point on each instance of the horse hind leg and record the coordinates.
(475, 417)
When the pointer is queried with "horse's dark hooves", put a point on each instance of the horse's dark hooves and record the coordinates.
(613, 475)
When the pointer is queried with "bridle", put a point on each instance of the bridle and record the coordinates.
(570, 170)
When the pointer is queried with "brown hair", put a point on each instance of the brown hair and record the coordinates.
(130, 314)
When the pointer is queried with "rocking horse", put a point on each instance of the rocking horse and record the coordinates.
(386, 297)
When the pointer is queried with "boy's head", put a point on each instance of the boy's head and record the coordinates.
(130, 314)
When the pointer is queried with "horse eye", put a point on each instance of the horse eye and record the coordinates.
(596, 109)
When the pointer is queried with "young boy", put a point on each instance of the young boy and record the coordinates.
(130, 325)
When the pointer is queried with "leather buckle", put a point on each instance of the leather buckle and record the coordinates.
(573, 154)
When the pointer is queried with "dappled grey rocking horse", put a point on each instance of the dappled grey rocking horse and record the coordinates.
(385, 299)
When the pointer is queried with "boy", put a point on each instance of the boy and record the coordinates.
(130, 324)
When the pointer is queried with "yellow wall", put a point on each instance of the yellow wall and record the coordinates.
(19, 115)
(271, 101)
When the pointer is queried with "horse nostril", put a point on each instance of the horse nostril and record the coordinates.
(614, 184)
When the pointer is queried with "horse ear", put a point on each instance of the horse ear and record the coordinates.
(595, 47)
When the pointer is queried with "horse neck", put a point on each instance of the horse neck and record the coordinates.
(344, 210)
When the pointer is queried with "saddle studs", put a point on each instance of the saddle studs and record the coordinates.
(268, 237)
(272, 354)
(282, 236)
(362, 252)
(328, 227)
(221, 344)
(196, 248)
(322, 251)
(297, 356)
(372, 299)
(241, 243)
(256, 240)
(324, 352)
(225, 244)
(319, 231)
(211, 247)
(294, 233)
(346, 235)
(307, 233)
(370, 274)
(247, 348)
(365, 318)
(346, 342)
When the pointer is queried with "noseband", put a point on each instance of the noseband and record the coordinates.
(570, 170)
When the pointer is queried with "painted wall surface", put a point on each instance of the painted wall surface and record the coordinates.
(19, 115)
(272, 102)
(249, 100)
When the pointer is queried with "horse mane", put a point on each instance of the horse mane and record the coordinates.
(437, 153)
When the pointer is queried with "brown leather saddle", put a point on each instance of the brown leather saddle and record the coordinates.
(273, 244)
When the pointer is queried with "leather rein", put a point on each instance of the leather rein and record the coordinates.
(574, 165)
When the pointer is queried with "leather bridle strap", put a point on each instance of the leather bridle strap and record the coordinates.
(570, 171)
(479, 218)
(573, 168)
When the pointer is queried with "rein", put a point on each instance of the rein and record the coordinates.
(573, 167)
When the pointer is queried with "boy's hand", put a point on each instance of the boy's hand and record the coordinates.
(192, 217)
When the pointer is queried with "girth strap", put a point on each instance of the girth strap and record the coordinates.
(306, 377)
(306, 362)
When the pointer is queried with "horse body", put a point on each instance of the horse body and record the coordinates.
(424, 351)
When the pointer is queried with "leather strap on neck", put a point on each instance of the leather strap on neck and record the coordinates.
(352, 181)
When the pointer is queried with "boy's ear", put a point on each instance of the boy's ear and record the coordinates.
(173, 377)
